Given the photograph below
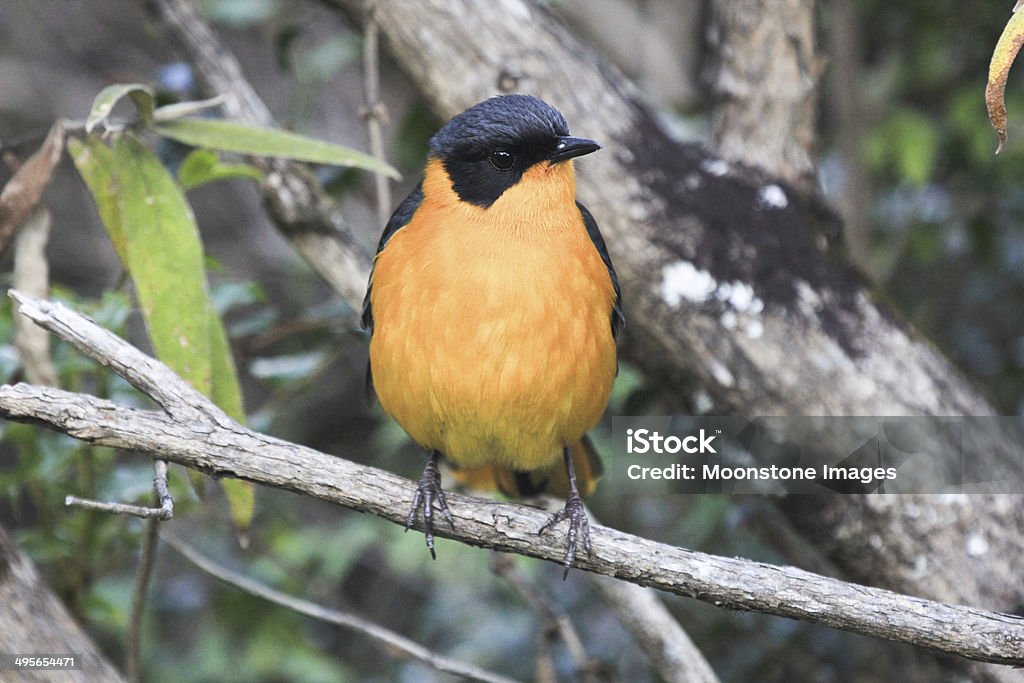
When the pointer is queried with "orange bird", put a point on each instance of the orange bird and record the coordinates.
(493, 309)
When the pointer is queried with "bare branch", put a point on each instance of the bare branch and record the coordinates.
(163, 511)
(378, 634)
(133, 638)
(558, 621)
(375, 114)
(224, 448)
(145, 373)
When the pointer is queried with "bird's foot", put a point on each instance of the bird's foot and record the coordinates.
(579, 528)
(427, 491)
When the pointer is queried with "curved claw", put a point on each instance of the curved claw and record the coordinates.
(579, 529)
(427, 491)
(579, 523)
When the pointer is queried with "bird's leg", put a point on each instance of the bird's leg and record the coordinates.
(579, 525)
(427, 491)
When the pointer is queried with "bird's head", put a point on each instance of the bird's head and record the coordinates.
(491, 146)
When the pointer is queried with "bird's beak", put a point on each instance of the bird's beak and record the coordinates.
(570, 148)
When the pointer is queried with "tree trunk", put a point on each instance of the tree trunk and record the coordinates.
(34, 621)
(764, 74)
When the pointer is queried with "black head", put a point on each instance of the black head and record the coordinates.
(487, 148)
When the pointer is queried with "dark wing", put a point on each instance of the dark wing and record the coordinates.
(399, 219)
(618, 319)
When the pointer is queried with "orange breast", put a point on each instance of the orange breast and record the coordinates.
(492, 340)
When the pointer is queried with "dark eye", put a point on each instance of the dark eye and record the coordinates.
(502, 160)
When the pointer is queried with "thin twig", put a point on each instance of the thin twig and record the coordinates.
(114, 508)
(162, 512)
(556, 620)
(225, 448)
(163, 494)
(376, 633)
(374, 112)
(133, 638)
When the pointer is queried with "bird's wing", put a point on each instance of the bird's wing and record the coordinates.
(399, 219)
(618, 319)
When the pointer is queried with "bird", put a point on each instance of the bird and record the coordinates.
(493, 310)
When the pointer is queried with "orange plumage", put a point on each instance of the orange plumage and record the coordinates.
(492, 341)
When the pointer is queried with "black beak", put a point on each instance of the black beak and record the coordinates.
(570, 148)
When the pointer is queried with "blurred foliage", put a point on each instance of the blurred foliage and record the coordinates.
(947, 221)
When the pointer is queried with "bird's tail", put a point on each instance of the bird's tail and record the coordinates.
(553, 480)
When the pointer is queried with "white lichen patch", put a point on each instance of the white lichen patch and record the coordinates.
(740, 296)
(754, 329)
(771, 197)
(702, 403)
(721, 374)
(976, 545)
(682, 280)
(715, 167)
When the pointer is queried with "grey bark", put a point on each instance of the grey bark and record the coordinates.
(34, 621)
(193, 432)
(763, 74)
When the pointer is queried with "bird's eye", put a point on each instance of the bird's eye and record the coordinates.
(502, 160)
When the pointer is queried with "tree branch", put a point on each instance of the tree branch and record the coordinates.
(207, 440)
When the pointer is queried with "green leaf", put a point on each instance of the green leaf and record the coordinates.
(203, 166)
(145, 212)
(189, 108)
(271, 142)
(141, 95)
(95, 163)
(225, 390)
(165, 259)
(241, 497)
